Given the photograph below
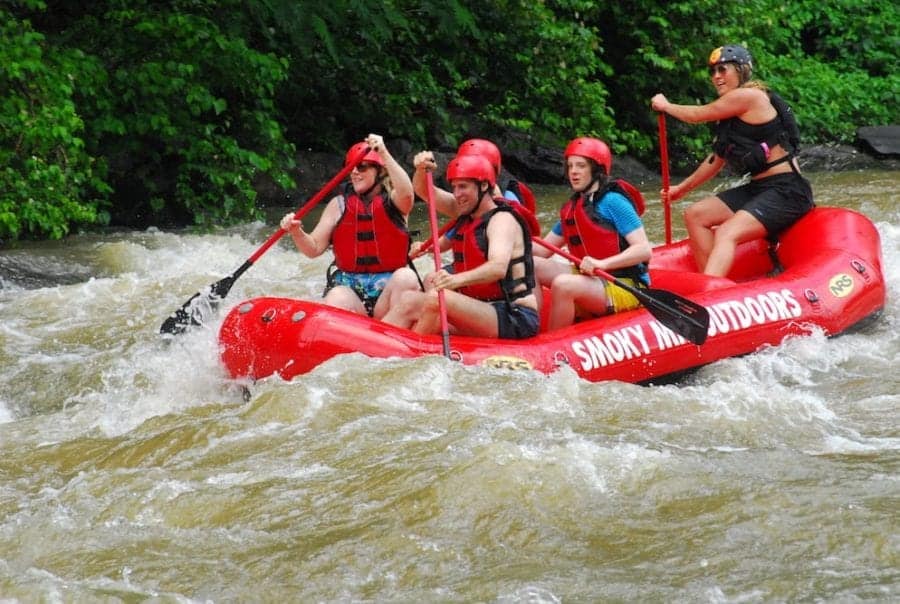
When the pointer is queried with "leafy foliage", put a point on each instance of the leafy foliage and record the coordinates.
(47, 181)
(137, 112)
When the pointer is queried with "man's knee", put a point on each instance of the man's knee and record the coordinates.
(563, 286)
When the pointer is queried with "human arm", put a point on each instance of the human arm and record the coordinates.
(419, 248)
(638, 251)
(444, 201)
(706, 170)
(313, 244)
(736, 102)
(553, 238)
(502, 233)
(402, 194)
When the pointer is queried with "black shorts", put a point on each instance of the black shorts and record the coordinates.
(776, 201)
(515, 322)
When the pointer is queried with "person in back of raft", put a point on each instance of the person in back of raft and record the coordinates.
(756, 133)
(367, 227)
(600, 223)
(490, 291)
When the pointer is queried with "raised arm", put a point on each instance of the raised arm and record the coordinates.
(402, 194)
(443, 200)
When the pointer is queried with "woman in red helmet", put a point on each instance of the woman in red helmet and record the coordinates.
(601, 224)
(756, 134)
(490, 292)
(367, 227)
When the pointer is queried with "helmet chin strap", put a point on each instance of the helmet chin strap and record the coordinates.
(481, 194)
(378, 180)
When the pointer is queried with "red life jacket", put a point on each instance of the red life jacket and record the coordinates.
(588, 234)
(470, 248)
(524, 193)
(370, 237)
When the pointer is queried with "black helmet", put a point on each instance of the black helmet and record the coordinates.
(731, 53)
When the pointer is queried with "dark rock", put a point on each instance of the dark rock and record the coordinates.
(880, 140)
(525, 160)
(833, 157)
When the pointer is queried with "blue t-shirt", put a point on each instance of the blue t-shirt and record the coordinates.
(615, 208)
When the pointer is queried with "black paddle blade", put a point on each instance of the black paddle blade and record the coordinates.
(198, 308)
(683, 316)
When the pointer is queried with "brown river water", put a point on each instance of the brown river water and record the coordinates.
(131, 470)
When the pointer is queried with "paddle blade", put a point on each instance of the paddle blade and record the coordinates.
(683, 316)
(198, 308)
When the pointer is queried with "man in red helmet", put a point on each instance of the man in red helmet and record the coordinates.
(424, 160)
(490, 291)
(367, 227)
(757, 135)
(601, 224)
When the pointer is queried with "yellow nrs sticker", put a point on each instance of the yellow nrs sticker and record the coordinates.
(506, 362)
(840, 285)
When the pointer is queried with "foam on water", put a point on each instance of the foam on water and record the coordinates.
(419, 479)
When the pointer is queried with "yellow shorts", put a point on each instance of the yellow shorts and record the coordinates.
(617, 299)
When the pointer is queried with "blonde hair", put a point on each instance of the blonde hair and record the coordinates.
(384, 179)
(758, 84)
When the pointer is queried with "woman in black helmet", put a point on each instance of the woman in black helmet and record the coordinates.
(756, 134)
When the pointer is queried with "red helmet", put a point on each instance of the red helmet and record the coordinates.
(476, 167)
(483, 147)
(592, 148)
(370, 157)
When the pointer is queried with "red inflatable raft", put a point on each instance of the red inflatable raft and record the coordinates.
(831, 280)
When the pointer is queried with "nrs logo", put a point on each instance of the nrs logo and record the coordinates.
(840, 285)
(506, 362)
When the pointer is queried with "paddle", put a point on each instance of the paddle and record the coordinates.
(201, 304)
(681, 315)
(442, 302)
(664, 161)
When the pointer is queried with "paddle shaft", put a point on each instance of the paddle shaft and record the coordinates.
(300, 213)
(181, 318)
(435, 242)
(664, 162)
(307, 207)
(577, 261)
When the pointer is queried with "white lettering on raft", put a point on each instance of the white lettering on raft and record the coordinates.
(611, 347)
(729, 316)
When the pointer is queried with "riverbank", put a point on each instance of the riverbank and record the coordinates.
(544, 166)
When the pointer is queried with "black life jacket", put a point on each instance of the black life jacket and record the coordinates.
(470, 248)
(745, 147)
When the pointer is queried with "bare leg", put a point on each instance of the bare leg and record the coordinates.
(344, 297)
(743, 226)
(546, 269)
(469, 316)
(569, 290)
(407, 311)
(403, 280)
(700, 219)
(429, 319)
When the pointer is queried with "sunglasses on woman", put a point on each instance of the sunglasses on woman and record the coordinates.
(364, 166)
(720, 69)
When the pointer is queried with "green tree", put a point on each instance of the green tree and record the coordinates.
(48, 181)
(143, 113)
